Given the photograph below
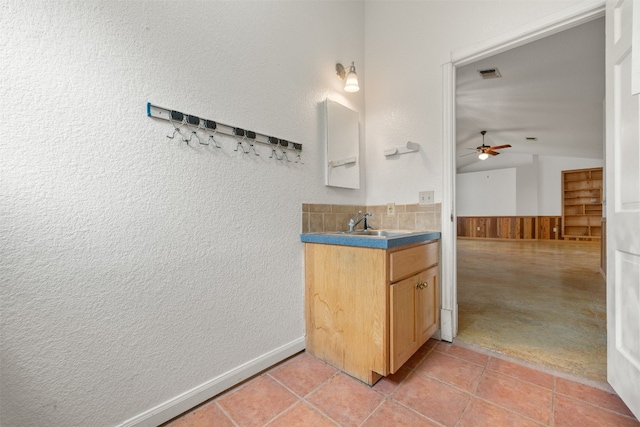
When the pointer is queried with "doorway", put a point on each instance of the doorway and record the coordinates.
(451, 272)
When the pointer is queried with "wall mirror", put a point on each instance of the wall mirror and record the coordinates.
(343, 146)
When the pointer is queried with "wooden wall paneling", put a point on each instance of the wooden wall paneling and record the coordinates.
(462, 227)
(527, 231)
(544, 228)
(478, 224)
(504, 228)
(546, 224)
(515, 228)
(492, 227)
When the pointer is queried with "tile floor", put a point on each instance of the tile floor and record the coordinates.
(442, 385)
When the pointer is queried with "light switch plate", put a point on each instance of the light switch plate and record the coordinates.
(425, 197)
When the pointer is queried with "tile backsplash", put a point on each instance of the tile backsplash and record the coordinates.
(321, 217)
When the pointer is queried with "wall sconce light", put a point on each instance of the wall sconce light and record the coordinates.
(483, 156)
(349, 76)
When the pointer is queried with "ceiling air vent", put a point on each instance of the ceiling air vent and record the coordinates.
(531, 138)
(490, 73)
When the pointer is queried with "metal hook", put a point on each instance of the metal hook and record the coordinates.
(173, 135)
(240, 132)
(251, 136)
(192, 121)
(240, 145)
(194, 133)
(298, 149)
(215, 142)
(273, 141)
(176, 129)
(184, 122)
(200, 126)
(210, 124)
(283, 144)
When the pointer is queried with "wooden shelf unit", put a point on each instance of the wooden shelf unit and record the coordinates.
(582, 204)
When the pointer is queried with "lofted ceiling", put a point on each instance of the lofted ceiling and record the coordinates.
(552, 89)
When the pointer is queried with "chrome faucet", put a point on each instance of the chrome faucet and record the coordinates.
(355, 221)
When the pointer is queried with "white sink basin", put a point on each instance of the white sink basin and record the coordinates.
(377, 233)
(374, 233)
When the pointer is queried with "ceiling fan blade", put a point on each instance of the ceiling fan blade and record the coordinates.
(498, 147)
(465, 155)
(493, 153)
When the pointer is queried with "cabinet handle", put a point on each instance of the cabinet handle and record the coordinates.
(422, 285)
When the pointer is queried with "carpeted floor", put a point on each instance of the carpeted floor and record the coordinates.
(542, 302)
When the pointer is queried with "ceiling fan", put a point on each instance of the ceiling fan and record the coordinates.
(486, 150)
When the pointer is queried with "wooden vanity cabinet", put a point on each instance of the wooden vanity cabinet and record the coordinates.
(369, 310)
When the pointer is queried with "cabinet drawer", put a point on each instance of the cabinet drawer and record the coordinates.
(406, 262)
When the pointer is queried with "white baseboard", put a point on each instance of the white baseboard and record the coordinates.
(187, 400)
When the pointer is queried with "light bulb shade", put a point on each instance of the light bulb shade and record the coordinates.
(351, 82)
(483, 156)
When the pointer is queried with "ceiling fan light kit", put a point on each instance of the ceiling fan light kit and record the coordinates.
(484, 151)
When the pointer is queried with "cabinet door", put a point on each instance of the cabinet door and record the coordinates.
(427, 305)
(404, 333)
(413, 315)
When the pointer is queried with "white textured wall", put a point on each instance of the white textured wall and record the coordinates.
(406, 44)
(133, 268)
(527, 189)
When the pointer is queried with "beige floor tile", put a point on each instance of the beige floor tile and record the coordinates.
(303, 374)
(345, 400)
(433, 399)
(448, 369)
(392, 414)
(523, 398)
(257, 402)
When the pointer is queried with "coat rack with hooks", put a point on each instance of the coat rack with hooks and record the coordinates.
(245, 138)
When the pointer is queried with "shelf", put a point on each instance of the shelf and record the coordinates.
(582, 204)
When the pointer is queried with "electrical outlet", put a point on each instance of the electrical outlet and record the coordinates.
(555, 230)
(425, 197)
(478, 229)
(391, 208)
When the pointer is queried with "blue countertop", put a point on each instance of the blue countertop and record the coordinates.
(378, 242)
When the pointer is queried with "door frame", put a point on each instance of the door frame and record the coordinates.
(565, 19)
